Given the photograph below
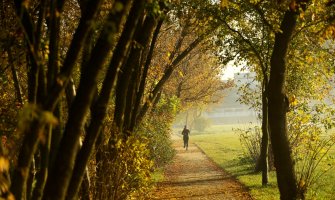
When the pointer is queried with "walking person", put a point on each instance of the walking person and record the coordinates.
(185, 134)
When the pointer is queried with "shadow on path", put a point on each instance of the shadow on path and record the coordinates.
(192, 175)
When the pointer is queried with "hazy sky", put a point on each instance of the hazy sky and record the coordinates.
(229, 71)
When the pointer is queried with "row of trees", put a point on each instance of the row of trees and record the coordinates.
(95, 82)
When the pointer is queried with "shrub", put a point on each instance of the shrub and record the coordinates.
(124, 164)
(250, 139)
(127, 172)
(309, 143)
(157, 128)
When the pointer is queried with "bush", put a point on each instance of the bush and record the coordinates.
(127, 172)
(157, 128)
(123, 170)
(250, 139)
(310, 144)
(161, 150)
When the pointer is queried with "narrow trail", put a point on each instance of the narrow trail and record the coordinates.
(192, 175)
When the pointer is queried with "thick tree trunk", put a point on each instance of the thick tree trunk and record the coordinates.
(122, 86)
(126, 89)
(85, 187)
(278, 106)
(54, 30)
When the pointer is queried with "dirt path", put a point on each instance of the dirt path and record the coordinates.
(192, 175)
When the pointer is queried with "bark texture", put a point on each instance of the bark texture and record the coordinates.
(278, 107)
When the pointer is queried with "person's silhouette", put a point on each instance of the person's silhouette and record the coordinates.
(185, 134)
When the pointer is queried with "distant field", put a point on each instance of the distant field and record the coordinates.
(215, 129)
(222, 145)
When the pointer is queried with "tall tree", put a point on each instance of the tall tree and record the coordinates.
(248, 31)
(279, 104)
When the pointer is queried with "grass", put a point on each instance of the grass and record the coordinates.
(222, 145)
(324, 189)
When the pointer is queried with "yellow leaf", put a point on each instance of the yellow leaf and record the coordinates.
(10, 197)
(301, 183)
(50, 118)
(4, 164)
(224, 3)
(293, 101)
(181, 74)
(310, 59)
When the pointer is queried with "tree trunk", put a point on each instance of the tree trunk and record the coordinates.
(141, 88)
(99, 160)
(28, 149)
(17, 87)
(31, 178)
(122, 87)
(133, 71)
(32, 62)
(278, 106)
(43, 171)
(119, 56)
(85, 187)
(84, 27)
(54, 30)
(264, 161)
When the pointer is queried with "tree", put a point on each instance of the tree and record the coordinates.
(249, 32)
(278, 106)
